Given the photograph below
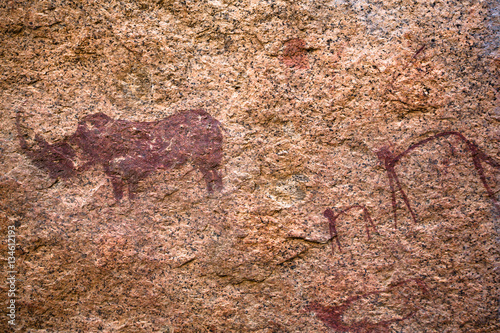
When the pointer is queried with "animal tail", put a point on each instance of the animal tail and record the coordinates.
(20, 135)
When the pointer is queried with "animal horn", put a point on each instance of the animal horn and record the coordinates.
(56, 158)
(22, 140)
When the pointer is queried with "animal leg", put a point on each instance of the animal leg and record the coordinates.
(212, 178)
(116, 181)
(216, 179)
(132, 188)
(117, 188)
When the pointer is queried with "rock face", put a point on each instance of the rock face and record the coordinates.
(250, 166)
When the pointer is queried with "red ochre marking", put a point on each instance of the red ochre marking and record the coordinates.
(295, 54)
(332, 219)
(390, 161)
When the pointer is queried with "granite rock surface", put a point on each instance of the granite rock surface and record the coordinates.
(250, 166)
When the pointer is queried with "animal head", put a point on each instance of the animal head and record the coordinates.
(56, 159)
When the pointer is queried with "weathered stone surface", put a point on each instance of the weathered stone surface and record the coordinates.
(297, 202)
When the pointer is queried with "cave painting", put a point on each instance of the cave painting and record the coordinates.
(390, 161)
(295, 54)
(129, 151)
(333, 316)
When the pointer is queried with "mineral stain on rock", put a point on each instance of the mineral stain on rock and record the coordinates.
(129, 151)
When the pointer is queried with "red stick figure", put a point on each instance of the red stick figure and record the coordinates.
(332, 219)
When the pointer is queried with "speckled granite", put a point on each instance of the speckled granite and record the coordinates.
(251, 166)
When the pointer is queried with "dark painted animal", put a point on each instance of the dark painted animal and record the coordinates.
(129, 151)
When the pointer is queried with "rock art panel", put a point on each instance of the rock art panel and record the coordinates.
(343, 177)
(332, 316)
(390, 161)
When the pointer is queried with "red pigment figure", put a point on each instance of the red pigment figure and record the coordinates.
(129, 151)
(295, 54)
(390, 161)
(332, 316)
(332, 219)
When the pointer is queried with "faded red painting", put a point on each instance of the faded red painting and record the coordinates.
(334, 316)
(479, 159)
(295, 54)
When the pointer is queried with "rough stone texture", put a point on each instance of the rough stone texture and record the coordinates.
(309, 96)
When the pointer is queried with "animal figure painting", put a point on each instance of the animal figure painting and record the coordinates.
(333, 316)
(390, 160)
(129, 151)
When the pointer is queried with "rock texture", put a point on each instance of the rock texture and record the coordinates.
(332, 199)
